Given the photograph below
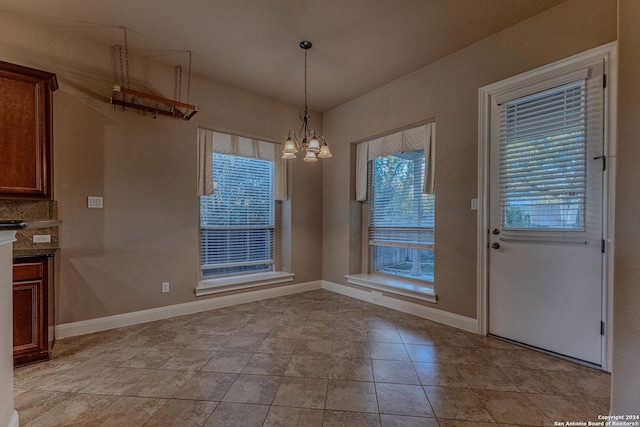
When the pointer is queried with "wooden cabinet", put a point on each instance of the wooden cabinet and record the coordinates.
(26, 131)
(30, 310)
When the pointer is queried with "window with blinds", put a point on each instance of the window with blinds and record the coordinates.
(542, 160)
(401, 216)
(237, 220)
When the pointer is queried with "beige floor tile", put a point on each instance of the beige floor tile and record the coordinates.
(535, 381)
(383, 335)
(267, 364)
(394, 371)
(356, 349)
(418, 337)
(350, 419)
(208, 342)
(308, 366)
(313, 357)
(181, 413)
(281, 416)
(209, 386)
(402, 399)
(357, 396)
(278, 345)
(33, 403)
(456, 404)
(388, 351)
(151, 358)
(188, 360)
(74, 379)
(426, 353)
(79, 409)
(439, 374)
(314, 347)
(406, 421)
(260, 389)
(237, 415)
(161, 383)
(128, 411)
(577, 408)
(227, 361)
(511, 408)
(117, 381)
(348, 368)
(301, 393)
(486, 378)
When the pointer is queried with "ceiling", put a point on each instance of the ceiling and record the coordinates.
(358, 45)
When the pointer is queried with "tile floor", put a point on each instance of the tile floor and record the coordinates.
(311, 359)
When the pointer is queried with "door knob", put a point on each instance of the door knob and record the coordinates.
(495, 245)
(496, 231)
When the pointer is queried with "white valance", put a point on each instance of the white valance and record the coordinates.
(418, 138)
(217, 142)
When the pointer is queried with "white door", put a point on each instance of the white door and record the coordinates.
(546, 214)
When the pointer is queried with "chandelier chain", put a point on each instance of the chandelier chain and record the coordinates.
(126, 54)
(189, 79)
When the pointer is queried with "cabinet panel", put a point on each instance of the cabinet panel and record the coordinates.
(30, 311)
(25, 131)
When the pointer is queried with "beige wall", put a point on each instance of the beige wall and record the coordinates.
(6, 332)
(625, 390)
(114, 260)
(447, 91)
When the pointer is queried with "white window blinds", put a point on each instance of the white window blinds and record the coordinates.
(542, 160)
(237, 220)
(401, 216)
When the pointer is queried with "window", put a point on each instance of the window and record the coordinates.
(543, 160)
(401, 216)
(237, 220)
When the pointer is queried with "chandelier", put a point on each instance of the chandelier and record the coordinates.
(306, 138)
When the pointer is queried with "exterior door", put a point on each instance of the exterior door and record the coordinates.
(546, 214)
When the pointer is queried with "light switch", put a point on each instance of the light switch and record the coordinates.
(474, 204)
(94, 202)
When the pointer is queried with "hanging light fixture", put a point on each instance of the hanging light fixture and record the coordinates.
(306, 139)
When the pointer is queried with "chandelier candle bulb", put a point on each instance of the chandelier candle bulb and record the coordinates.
(305, 139)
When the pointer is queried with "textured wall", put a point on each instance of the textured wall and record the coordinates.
(113, 260)
(447, 91)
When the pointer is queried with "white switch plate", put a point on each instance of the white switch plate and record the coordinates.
(41, 238)
(165, 287)
(94, 202)
(474, 204)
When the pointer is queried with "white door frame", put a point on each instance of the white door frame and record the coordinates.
(607, 52)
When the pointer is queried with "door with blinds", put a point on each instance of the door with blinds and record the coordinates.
(546, 214)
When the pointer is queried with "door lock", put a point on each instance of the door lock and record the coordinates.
(495, 231)
(495, 245)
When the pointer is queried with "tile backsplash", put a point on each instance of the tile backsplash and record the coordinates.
(31, 210)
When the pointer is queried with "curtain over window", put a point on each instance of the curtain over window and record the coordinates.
(417, 138)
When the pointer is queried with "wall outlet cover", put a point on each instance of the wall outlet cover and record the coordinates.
(41, 238)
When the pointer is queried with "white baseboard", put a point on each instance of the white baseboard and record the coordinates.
(66, 330)
(14, 421)
(440, 316)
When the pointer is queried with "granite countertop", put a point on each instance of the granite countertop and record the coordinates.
(21, 224)
(30, 253)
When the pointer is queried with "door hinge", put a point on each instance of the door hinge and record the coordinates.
(603, 245)
(601, 328)
(604, 81)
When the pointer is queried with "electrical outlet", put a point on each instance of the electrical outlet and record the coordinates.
(165, 287)
(94, 202)
(41, 238)
(474, 204)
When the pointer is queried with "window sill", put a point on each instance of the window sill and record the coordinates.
(393, 286)
(234, 283)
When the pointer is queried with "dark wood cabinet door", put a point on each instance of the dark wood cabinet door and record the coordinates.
(30, 311)
(25, 131)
